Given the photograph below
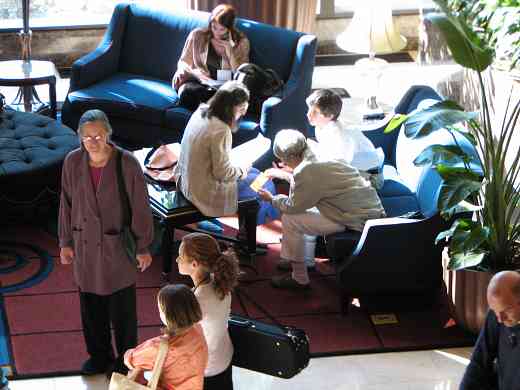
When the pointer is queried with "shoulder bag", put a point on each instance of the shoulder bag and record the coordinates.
(127, 235)
(120, 382)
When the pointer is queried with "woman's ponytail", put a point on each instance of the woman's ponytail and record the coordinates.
(223, 265)
(225, 273)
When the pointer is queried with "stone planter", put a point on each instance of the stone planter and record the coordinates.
(467, 293)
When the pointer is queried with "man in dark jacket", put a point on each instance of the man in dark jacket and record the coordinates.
(495, 362)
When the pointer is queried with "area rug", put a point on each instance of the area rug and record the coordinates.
(40, 327)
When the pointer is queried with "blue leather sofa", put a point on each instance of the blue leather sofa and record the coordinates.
(396, 258)
(129, 75)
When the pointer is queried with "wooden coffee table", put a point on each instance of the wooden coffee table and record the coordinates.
(26, 75)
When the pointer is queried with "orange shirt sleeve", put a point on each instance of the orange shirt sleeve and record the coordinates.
(143, 356)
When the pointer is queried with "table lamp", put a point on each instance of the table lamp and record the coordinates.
(371, 32)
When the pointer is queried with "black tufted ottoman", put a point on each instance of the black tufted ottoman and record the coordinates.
(32, 149)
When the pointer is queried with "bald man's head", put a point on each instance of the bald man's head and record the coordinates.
(503, 295)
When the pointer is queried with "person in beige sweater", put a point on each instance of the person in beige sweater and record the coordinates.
(325, 197)
(204, 173)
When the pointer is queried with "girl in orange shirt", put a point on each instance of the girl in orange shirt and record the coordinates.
(187, 356)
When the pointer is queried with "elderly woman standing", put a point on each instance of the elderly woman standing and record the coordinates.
(90, 224)
(325, 197)
(220, 46)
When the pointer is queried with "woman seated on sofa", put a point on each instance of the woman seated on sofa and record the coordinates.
(220, 46)
(204, 173)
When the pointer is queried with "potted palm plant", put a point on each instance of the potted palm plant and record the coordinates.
(480, 191)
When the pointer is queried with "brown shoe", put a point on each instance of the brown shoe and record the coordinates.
(287, 282)
(286, 266)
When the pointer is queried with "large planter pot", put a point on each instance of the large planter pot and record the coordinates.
(467, 292)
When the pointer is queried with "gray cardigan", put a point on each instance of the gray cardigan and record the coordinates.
(90, 222)
(336, 189)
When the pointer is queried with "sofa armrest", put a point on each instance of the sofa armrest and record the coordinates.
(104, 60)
(289, 109)
(394, 255)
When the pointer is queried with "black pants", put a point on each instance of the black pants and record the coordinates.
(97, 312)
(222, 381)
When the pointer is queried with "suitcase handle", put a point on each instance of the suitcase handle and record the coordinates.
(242, 323)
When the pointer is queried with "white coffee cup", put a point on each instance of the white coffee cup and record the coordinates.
(224, 74)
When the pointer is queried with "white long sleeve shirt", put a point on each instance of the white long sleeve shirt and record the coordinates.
(338, 142)
(215, 315)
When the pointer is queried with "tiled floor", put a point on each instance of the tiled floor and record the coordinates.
(422, 370)
(426, 370)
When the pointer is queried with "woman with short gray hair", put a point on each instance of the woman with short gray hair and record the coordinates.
(95, 116)
(292, 145)
(325, 197)
(90, 225)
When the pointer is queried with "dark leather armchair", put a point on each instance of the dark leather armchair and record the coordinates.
(396, 256)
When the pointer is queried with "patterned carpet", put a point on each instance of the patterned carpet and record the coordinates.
(40, 327)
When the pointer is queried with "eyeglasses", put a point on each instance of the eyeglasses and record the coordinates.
(89, 138)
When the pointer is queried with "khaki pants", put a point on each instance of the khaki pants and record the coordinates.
(299, 239)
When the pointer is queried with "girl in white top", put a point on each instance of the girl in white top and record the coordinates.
(214, 274)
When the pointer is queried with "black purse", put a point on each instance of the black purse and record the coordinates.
(127, 235)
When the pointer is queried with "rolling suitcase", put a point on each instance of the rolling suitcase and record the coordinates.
(272, 349)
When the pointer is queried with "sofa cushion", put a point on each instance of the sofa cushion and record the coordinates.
(397, 206)
(132, 96)
(394, 184)
(395, 195)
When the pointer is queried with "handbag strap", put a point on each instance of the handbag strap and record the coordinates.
(159, 363)
(239, 292)
(125, 202)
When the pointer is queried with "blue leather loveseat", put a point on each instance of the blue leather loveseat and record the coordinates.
(129, 75)
(396, 258)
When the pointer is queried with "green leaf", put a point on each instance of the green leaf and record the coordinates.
(440, 154)
(438, 116)
(445, 234)
(465, 46)
(451, 172)
(460, 224)
(456, 188)
(465, 206)
(477, 236)
(464, 260)
(395, 122)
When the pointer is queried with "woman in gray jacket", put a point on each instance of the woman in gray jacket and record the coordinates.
(90, 224)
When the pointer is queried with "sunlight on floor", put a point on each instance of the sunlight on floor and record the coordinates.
(418, 370)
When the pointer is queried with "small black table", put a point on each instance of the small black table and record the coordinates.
(175, 212)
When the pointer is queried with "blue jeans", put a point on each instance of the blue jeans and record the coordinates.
(267, 211)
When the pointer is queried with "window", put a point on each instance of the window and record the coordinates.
(334, 8)
(62, 13)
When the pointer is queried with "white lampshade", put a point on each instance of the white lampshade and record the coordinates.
(372, 30)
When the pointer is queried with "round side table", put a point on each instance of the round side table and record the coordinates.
(27, 74)
(352, 114)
